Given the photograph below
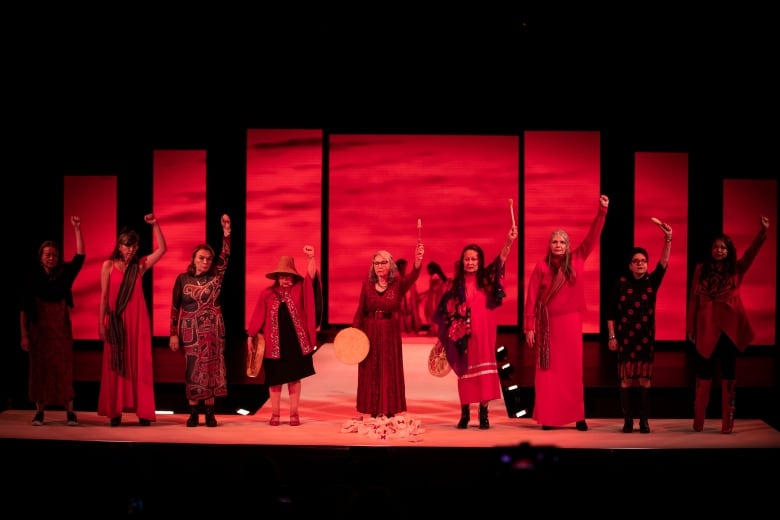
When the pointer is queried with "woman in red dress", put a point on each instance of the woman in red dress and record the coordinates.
(717, 322)
(468, 329)
(554, 305)
(127, 382)
(381, 388)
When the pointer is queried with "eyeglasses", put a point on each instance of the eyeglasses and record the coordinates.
(637, 261)
(382, 262)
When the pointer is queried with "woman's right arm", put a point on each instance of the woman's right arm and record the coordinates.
(105, 272)
(178, 289)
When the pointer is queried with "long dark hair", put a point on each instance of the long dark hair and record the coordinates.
(728, 265)
(459, 280)
(127, 237)
(435, 269)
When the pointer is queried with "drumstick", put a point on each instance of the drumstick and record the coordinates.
(419, 230)
(512, 211)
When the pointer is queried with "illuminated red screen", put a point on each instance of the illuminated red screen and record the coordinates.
(380, 185)
(180, 207)
(94, 200)
(283, 203)
(744, 202)
(377, 188)
(561, 181)
(661, 191)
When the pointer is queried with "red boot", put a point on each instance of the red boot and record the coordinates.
(727, 405)
(701, 402)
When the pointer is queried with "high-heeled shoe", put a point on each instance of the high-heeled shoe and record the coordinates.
(274, 420)
(295, 420)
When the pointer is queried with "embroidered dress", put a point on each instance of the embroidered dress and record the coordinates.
(288, 319)
(468, 329)
(381, 388)
(196, 317)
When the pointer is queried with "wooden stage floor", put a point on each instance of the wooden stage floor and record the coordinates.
(322, 466)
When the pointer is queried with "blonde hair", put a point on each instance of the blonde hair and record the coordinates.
(392, 273)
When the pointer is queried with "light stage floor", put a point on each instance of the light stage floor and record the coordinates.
(246, 465)
(328, 405)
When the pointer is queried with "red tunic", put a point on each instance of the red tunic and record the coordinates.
(711, 312)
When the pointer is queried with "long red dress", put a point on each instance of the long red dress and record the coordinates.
(381, 387)
(480, 383)
(133, 391)
(473, 356)
(559, 390)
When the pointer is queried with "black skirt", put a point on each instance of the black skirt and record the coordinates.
(292, 365)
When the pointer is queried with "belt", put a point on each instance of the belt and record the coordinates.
(381, 315)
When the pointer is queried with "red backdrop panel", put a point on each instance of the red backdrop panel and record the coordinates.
(458, 186)
(93, 198)
(561, 181)
(744, 202)
(283, 203)
(661, 191)
(180, 205)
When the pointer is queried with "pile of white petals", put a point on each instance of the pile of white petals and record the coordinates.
(383, 428)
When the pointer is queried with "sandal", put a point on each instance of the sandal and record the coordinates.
(295, 420)
(274, 420)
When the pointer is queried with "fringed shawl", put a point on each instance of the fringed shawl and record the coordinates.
(543, 321)
(115, 332)
(453, 316)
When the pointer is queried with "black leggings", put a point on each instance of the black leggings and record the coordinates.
(726, 353)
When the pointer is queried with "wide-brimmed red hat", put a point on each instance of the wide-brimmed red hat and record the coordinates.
(286, 265)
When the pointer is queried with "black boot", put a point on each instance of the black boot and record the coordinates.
(625, 406)
(728, 401)
(192, 420)
(464, 417)
(644, 409)
(483, 417)
(211, 421)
